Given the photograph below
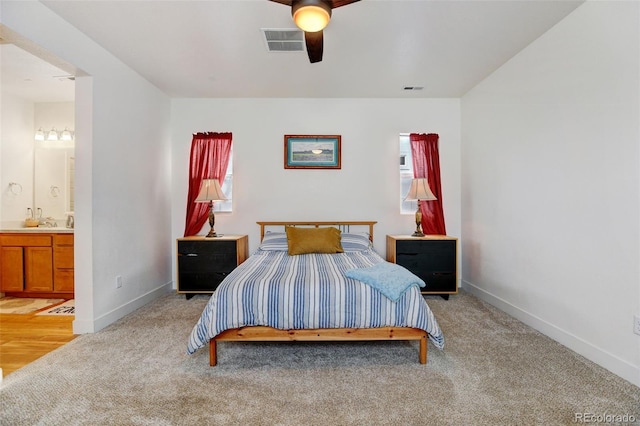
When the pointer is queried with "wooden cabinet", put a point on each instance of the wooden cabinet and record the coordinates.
(433, 258)
(38, 269)
(63, 271)
(204, 262)
(11, 269)
(29, 264)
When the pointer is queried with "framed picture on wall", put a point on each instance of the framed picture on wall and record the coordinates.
(312, 152)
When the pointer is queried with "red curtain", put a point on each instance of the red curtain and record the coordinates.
(209, 160)
(426, 163)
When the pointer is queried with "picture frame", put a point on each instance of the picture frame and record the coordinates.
(312, 152)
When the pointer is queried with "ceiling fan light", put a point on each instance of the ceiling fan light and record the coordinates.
(311, 16)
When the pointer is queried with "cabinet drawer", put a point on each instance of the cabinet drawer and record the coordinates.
(63, 281)
(428, 255)
(437, 282)
(63, 257)
(63, 240)
(443, 262)
(202, 247)
(206, 262)
(25, 240)
(200, 282)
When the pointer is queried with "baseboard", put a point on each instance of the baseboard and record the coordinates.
(82, 327)
(601, 357)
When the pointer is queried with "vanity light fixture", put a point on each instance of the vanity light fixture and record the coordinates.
(419, 191)
(66, 135)
(39, 134)
(52, 135)
(210, 191)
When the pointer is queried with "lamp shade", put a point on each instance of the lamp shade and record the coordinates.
(420, 190)
(311, 15)
(210, 191)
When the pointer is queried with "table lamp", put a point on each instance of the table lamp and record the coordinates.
(210, 191)
(419, 191)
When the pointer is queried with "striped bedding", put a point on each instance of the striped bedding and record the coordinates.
(308, 291)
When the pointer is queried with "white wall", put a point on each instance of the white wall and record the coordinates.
(16, 156)
(550, 200)
(365, 188)
(123, 171)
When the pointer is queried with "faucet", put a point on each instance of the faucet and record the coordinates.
(49, 222)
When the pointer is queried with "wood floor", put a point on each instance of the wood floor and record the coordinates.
(26, 337)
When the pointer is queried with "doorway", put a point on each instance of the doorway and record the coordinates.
(35, 94)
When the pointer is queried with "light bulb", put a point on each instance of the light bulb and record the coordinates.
(52, 135)
(39, 135)
(312, 18)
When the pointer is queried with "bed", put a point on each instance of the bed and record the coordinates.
(275, 296)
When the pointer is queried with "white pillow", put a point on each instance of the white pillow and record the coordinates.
(274, 241)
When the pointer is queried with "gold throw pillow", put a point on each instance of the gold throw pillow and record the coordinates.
(313, 240)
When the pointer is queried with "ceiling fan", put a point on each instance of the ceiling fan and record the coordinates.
(311, 16)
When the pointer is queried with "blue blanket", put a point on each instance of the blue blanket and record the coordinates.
(388, 278)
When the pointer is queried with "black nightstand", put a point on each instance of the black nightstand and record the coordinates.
(204, 262)
(433, 258)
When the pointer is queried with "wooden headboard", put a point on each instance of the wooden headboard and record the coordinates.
(343, 226)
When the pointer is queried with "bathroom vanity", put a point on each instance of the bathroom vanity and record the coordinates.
(37, 262)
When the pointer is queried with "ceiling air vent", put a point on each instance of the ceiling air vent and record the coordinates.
(284, 40)
(413, 88)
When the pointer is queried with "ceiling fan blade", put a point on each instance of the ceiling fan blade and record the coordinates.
(338, 3)
(314, 42)
(287, 2)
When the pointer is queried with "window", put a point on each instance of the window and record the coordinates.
(227, 188)
(406, 174)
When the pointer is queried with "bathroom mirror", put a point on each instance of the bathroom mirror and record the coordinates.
(53, 179)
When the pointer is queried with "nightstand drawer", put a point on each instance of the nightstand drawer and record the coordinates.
(194, 262)
(202, 247)
(436, 282)
(201, 282)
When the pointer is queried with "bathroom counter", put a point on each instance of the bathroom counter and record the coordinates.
(38, 230)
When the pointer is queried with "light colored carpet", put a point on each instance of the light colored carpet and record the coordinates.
(67, 308)
(494, 370)
(24, 305)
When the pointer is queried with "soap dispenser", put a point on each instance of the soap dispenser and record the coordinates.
(70, 220)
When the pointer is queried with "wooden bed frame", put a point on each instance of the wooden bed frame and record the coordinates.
(264, 333)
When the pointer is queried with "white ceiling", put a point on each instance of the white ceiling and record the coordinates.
(29, 77)
(372, 48)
